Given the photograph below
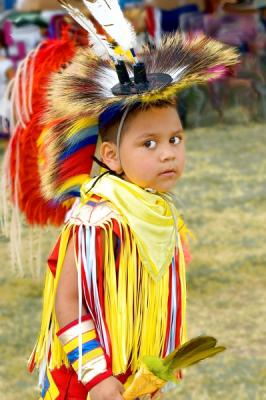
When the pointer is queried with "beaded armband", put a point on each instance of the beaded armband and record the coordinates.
(84, 352)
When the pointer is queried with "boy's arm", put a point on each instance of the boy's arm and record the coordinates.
(66, 302)
(98, 380)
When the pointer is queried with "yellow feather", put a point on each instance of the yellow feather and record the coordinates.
(77, 180)
(81, 123)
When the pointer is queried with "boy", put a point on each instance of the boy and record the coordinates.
(131, 302)
(115, 287)
(151, 155)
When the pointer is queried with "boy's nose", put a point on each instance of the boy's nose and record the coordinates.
(167, 154)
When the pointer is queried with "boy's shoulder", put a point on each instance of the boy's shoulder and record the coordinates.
(93, 213)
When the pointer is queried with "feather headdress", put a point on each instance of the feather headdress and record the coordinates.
(88, 87)
(107, 74)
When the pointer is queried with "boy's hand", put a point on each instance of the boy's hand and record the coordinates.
(109, 389)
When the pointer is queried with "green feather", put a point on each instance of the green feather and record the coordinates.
(194, 344)
(193, 358)
(156, 366)
(191, 352)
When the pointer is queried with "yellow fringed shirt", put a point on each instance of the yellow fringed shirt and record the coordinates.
(132, 262)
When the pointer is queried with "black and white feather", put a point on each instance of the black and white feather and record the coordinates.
(101, 47)
(109, 15)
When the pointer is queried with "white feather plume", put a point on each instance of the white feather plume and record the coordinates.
(100, 45)
(109, 15)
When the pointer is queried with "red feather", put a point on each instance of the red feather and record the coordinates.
(77, 164)
(23, 163)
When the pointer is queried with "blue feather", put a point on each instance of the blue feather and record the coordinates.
(77, 146)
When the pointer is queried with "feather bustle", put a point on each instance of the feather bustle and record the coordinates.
(24, 171)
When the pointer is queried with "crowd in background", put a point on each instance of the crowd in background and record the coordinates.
(241, 23)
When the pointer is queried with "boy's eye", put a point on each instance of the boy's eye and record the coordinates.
(150, 144)
(175, 140)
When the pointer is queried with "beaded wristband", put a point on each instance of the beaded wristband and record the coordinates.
(84, 351)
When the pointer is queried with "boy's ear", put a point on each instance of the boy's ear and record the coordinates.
(110, 157)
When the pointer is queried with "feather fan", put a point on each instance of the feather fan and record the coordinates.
(156, 372)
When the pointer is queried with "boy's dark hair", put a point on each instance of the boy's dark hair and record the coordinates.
(108, 127)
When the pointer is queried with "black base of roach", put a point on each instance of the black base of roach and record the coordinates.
(140, 83)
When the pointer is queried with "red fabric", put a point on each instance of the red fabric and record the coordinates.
(179, 306)
(150, 21)
(99, 261)
(118, 238)
(53, 257)
(169, 312)
(98, 379)
(68, 385)
(73, 323)
(70, 388)
(52, 260)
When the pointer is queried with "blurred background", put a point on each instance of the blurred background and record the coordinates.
(222, 194)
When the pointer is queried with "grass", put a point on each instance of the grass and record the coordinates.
(224, 202)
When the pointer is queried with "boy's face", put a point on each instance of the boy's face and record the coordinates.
(152, 149)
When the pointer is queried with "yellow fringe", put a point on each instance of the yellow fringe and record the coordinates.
(182, 277)
(49, 324)
(135, 305)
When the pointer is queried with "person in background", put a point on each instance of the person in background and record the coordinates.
(164, 16)
(7, 72)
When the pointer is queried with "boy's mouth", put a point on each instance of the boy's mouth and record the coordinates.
(168, 172)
